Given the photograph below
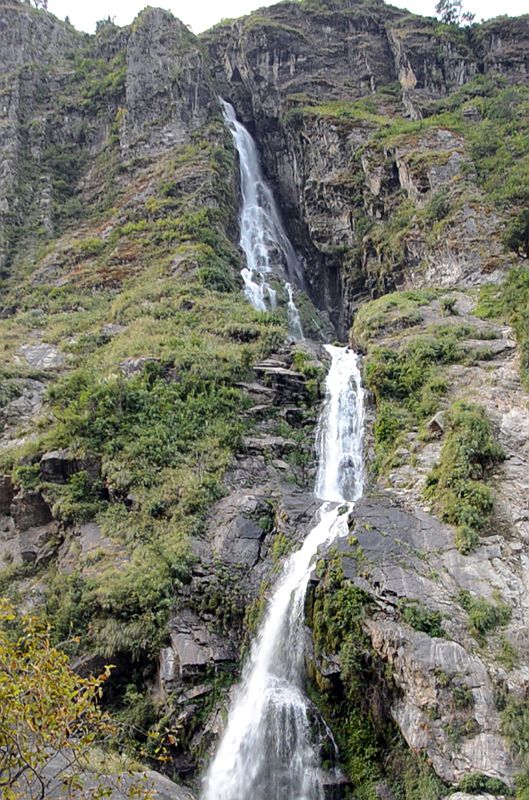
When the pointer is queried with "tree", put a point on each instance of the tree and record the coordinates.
(51, 723)
(451, 13)
(517, 234)
(40, 4)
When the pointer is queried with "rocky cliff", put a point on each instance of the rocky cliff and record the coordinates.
(157, 436)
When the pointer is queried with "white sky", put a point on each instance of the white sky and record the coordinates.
(202, 14)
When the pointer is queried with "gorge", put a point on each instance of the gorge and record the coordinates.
(307, 567)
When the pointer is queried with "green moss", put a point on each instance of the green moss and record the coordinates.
(260, 22)
(392, 312)
(358, 111)
(456, 485)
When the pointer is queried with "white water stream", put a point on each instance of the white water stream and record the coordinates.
(266, 246)
(268, 750)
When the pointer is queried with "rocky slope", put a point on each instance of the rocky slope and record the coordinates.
(157, 435)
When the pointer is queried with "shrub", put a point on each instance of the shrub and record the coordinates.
(423, 619)
(46, 708)
(517, 234)
(406, 385)
(478, 784)
(484, 616)
(469, 451)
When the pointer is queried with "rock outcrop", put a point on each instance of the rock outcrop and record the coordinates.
(157, 434)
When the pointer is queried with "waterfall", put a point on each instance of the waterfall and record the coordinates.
(339, 432)
(266, 752)
(263, 240)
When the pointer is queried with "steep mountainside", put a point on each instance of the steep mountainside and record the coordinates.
(157, 433)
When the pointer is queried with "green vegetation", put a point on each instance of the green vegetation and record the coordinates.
(356, 706)
(510, 300)
(407, 384)
(423, 619)
(456, 485)
(391, 313)
(489, 119)
(462, 698)
(478, 784)
(45, 708)
(484, 617)
(158, 334)
(515, 728)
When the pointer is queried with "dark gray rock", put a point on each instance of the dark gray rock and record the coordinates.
(29, 510)
(193, 648)
(134, 366)
(38, 544)
(57, 466)
(6, 494)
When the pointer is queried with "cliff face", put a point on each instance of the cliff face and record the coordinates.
(157, 454)
(325, 87)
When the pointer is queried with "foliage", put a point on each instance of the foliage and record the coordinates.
(510, 300)
(451, 12)
(49, 714)
(391, 312)
(517, 234)
(423, 619)
(455, 484)
(484, 616)
(515, 728)
(407, 385)
(357, 705)
(478, 784)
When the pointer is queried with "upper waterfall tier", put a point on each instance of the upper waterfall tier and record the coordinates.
(263, 239)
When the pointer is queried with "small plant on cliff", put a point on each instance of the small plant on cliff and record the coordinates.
(510, 300)
(478, 784)
(517, 234)
(423, 619)
(456, 483)
(484, 616)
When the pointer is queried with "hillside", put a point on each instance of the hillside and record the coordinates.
(157, 433)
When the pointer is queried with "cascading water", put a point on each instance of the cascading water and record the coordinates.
(267, 752)
(268, 250)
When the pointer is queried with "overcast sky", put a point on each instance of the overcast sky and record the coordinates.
(202, 14)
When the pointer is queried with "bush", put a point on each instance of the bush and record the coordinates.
(484, 616)
(511, 301)
(517, 234)
(406, 385)
(478, 784)
(423, 619)
(45, 709)
(469, 452)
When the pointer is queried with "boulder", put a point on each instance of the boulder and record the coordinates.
(134, 366)
(29, 510)
(6, 494)
(58, 466)
(41, 356)
(193, 649)
(436, 425)
(38, 544)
